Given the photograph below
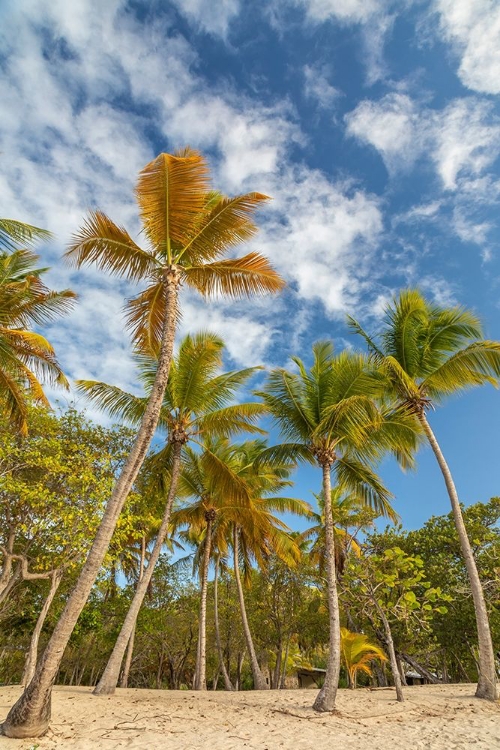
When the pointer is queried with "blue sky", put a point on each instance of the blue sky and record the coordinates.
(374, 125)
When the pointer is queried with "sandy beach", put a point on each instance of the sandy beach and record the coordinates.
(445, 717)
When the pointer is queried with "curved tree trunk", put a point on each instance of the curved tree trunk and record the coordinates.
(30, 715)
(259, 681)
(392, 653)
(486, 687)
(31, 656)
(109, 680)
(200, 682)
(227, 682)
(130, 647)
(325, 700)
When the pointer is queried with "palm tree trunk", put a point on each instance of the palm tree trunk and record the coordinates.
(259, 681)
(325, 700)
(30, 715)
(227, 682)
(130, 647)
(201, 667)
(31, 656)
(391, 650)
(486, 687)
(107, 683)
(285, 662)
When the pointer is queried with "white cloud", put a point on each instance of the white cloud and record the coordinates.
(318, 87)
(391, 125)
(212, 17)
(321, 236)
(349, 11)
(462, 140)
(473, 28)
(466, 138)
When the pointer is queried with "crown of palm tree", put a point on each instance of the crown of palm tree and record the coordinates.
(329, 415)
(26, 357)
(429, 352)
(188, 227)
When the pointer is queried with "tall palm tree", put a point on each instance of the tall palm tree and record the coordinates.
(189, 230)
(206, 519)
(430, 352)
(329, 416)
(258, 532)
(26, 357)
(196, 403)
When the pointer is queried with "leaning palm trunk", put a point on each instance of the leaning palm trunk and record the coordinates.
(31, 656)
(130, 647)
(109, 680)
(325, 700)
(200, 682)
(486, 687)
(30, 715)
(227, 682)
(259, 681)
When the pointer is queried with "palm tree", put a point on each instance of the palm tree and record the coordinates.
(196, 404)
(357, 653)
(257, 532)
(188, 229)
(430, 352)
(26, 357)
(329, 416)
(206, 518)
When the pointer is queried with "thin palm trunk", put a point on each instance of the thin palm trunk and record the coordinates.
(31, 656)
(259, 681)
(201, 667)
(107, 683)
(392, 652)
(486, 687)
(227, 682)
(285, 662)
(30, 715)
(130, 647)
(325, 700)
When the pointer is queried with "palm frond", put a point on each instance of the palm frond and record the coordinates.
(14, 233)
(358, 477)
(226, 225)
(237, 277)
(110, 247)
(112, 400)
(171, 192)
(477, 364)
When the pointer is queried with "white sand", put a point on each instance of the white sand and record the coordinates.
(443, 717)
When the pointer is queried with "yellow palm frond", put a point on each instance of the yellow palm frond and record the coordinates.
(236, 277)
(110, 247)
(226, 225)
(171, 192)
(144, 315)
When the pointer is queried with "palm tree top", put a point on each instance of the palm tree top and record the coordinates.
(428, 351)
(189, 229)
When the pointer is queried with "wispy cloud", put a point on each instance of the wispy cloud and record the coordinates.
(318, 87)
(213, 18)
(473, 29)
(462, 140)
